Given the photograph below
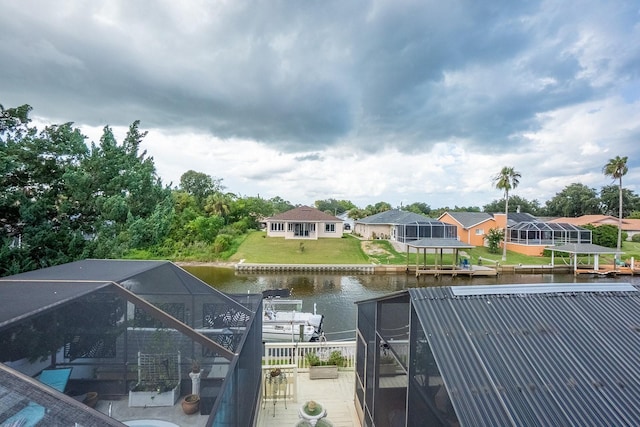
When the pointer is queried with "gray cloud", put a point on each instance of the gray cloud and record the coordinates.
(305, 76)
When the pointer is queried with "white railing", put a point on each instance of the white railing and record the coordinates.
(294, 353)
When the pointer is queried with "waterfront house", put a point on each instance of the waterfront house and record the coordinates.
(534, 355)
(525, 233)
(630, 226)
(402, 227)
(304, 222)
(100, 318)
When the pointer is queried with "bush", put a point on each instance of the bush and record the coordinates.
(635, 238)
(335, 358)
(222, 242)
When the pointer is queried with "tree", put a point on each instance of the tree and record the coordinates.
(419, 208)
(616, 168)
(573, 201)
(507, 179)
(200, 185)
(515, 202)
(333, 206)
(493, 238)
(609, 200)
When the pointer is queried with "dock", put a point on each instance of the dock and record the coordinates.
(471, 271)
(608, 271)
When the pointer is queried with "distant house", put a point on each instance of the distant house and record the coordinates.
(525, 233)
(472, 227)
(630, 226)
(304, 222)
(500, 355)
(403, 227)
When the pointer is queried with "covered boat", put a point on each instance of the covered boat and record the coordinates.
(284, 320)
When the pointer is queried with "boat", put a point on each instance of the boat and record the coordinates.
(284, 320)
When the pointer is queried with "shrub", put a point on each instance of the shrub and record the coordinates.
(635, 238)
(335, 358)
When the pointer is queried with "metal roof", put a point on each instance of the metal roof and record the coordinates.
(440, 243)
(395, 216)
(583, 248)
(536, 356)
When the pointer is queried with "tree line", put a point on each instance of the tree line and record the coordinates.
(62, 199)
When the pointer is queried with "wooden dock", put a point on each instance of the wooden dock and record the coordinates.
(472, 271)
(608, 271)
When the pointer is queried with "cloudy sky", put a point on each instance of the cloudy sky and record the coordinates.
(397, 101)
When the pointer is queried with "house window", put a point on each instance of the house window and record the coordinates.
(479, 231)
(330, 228)
(277, 226)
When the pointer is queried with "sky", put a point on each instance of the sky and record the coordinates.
(368, 101)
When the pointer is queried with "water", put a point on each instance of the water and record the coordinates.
(335, 295)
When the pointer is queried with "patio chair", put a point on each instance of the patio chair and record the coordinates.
(33, 413)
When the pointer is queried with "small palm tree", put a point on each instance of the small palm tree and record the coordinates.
(507, 179)
(616, 169)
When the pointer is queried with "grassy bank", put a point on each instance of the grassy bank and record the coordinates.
(257, 248)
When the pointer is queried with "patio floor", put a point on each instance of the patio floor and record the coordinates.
(336, 395)
(120, 411)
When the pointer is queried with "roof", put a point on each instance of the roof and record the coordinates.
(40, 290)
(536, 355)
(394, 217)
(304, 213)
(469, 219)
(627, 223)
(583, 248)
(440, 243)
(516, 217)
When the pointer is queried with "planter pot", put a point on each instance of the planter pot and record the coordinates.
(153, 398)
(191, 404)
(323, 372)
(91, 399)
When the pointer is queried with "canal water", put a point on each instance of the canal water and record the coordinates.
(335, 295)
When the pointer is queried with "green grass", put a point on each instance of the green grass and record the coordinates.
(257, 248)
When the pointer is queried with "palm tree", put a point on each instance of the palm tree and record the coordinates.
(507, 179)
(616, 169)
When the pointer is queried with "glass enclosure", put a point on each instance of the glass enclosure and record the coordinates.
(141, 337)
(548, 233)
(423, 230)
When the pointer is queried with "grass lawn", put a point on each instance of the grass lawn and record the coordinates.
(257, 248)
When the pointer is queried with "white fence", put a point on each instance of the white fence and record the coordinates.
(293, 353)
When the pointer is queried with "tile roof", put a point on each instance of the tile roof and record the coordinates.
(536, 355)
(627, 223)
(304, 213)
(394, 216)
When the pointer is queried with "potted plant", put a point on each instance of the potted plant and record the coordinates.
(320, 369)
(191, 404)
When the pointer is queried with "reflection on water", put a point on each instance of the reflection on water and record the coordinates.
(336, 294)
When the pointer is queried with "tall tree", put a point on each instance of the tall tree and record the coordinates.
(573, 201)
(616, 168)
(506, 180)
(609, 200)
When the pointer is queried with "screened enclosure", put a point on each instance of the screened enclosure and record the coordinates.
(425, 229)
(98, 317)
(382, 360)
(548, 234)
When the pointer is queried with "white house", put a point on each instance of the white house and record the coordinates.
(304, 222)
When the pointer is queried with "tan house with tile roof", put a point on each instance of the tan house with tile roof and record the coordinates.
(304, 222)
(630, 226)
